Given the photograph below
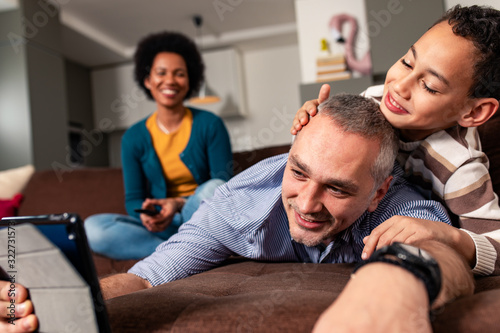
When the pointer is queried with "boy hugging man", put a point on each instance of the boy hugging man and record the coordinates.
(446, 85)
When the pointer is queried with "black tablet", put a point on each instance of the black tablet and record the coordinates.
(50, 255)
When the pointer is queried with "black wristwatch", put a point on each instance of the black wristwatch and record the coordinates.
(415, 260)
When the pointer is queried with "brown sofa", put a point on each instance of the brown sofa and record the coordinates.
(242, 295)
(100, 190)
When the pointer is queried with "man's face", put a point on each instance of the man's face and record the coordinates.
(426, 90)
(327, 183)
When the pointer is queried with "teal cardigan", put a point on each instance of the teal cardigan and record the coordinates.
(207, 155)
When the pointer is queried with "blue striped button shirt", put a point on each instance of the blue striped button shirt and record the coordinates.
(246, 217)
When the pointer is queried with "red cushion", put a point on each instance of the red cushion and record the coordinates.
(9, 207)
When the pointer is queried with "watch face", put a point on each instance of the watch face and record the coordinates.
(416, 251)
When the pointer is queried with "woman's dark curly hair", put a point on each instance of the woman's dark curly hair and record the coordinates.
(151, 45)
(480, 25)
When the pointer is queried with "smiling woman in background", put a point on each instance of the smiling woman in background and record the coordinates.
(171, 160)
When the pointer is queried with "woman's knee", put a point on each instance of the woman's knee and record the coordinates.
(207, 189)
(92, 225)
(95, 226)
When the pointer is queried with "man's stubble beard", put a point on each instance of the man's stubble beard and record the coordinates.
(310, 238)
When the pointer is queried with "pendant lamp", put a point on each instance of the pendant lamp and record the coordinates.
(205, 95)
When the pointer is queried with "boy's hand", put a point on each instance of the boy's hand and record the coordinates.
(409, 230)
(309, 109)
(16, 306)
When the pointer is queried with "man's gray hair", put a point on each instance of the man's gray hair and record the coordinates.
(360, 115)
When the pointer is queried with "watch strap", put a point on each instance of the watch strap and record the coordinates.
(426, 269)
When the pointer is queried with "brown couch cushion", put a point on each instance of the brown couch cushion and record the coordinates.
(477, 313)
(251, 296)
(82, 191)
(241, 297)
(105, 266)
(245, 159)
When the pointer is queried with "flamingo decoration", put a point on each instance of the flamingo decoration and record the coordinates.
(364, 65)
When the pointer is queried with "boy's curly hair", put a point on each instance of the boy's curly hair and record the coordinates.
(151, 45)
(480, 25)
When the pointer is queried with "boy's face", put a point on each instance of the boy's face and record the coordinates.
(426, 90)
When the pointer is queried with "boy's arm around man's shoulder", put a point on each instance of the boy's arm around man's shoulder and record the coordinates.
(469, 194)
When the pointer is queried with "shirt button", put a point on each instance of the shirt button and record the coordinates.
(251, 241)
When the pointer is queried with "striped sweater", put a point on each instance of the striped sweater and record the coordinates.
(449, 166)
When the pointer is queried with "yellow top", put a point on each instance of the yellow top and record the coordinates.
(168, 147)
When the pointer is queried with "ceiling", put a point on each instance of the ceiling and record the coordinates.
(97, 32)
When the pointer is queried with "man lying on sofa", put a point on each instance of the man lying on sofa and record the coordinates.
(315, 204)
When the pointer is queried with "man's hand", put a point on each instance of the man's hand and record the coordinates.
(409, 230)
(310, 108)
(122, 284)
(16, 306)
(161, 221)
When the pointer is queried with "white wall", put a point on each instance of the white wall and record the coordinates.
(16, 145)
(33, 104)
(272, 78)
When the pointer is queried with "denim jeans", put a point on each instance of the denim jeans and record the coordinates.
(124, 237)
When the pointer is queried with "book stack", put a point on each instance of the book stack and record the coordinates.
(330, 67)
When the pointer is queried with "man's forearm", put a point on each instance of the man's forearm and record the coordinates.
(122, 284)
(385, 298)
(379, 298)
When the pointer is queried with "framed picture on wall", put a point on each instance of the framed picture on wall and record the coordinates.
(333, 40)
